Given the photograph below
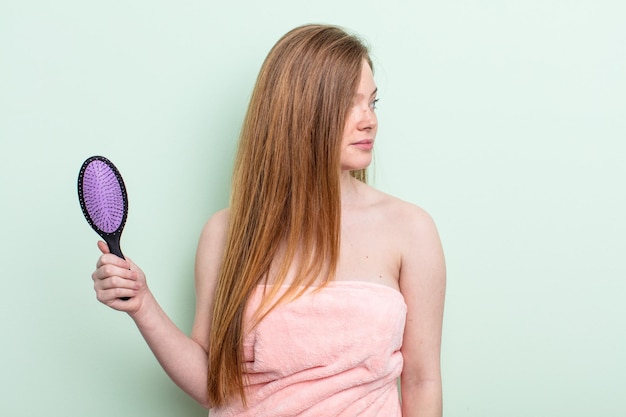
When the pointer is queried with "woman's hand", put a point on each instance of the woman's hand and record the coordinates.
(116, 278)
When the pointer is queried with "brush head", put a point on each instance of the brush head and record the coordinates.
(102, 196)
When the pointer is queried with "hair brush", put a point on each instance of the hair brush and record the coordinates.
(103, 200)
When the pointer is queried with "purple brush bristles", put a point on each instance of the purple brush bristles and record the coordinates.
(102, 194)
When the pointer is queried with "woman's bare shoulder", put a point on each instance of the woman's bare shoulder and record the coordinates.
(216, 227)
(219, 218)
(401, 212)
(211, 243)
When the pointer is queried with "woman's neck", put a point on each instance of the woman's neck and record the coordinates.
(350, 189)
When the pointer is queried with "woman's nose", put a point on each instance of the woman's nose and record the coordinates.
(368, 119)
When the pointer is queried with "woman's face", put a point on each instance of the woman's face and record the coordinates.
(361, 124)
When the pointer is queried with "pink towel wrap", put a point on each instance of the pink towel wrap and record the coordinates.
(331, 352)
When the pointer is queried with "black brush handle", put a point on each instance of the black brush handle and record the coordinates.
(113, 241)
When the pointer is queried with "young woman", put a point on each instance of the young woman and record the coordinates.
(314, 291)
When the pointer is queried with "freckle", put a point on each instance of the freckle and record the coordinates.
(380, 276)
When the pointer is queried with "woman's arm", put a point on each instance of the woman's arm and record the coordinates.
(183, 358)
(422, 283)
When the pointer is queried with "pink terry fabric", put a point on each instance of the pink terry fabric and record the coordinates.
(331, 352)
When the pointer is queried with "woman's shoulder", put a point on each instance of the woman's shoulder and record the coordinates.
(219, 218)
(215, 229)
(398, 210)
(415, 233)
(409, 224)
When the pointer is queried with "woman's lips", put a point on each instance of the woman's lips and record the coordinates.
(366, 144)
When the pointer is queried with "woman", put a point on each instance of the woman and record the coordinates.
(314, 291)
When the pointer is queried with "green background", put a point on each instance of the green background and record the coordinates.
(504, 119)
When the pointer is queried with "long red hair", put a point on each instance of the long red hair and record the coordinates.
(285, 190)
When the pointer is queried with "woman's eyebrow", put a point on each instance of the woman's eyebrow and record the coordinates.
(357, 95)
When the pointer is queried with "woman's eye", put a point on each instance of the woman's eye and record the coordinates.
(373, 104)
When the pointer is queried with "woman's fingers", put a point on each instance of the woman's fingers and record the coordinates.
(110, 259)
(107, 267)
(111, 295)
(106, 282)
(112, 284)
(113, 279)
(104, 248)
(118, 283)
